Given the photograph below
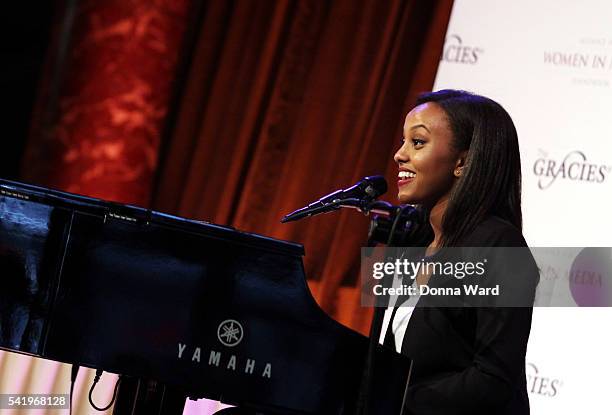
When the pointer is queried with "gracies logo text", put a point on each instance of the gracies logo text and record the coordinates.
(457, 52)
(574, 166)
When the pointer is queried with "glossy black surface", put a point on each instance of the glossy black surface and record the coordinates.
(126, 290)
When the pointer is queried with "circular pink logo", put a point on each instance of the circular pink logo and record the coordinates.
(589, 278)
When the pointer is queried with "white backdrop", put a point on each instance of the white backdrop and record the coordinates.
(549, 63)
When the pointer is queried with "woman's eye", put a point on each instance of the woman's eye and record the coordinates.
(417, 142)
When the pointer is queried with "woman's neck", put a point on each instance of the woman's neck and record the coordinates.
(436, 214)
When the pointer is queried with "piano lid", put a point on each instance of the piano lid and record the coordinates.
(139, 215)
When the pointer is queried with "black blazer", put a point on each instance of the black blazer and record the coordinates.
(469, 360)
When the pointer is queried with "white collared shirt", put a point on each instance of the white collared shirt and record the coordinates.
(401, 319)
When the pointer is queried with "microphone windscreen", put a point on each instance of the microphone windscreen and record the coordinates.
(375, 186)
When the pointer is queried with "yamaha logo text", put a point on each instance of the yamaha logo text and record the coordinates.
(229, 334)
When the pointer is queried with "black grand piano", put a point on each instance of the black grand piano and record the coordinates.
(211, 311)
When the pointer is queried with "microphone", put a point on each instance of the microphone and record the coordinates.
(364, 191)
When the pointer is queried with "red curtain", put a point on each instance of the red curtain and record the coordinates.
(284, 101)
(289, 100)
(104, 97)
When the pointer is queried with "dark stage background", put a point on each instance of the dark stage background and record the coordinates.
(234, 112)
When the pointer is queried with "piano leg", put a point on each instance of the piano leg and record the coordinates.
(148, 397)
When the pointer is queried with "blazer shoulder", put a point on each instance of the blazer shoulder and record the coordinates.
(495, 231)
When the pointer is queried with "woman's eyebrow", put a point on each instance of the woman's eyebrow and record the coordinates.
(414, 127)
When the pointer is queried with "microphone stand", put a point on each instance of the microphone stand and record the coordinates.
(392, 225)
(389, 230)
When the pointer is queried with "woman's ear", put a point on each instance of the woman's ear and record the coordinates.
(460, 163)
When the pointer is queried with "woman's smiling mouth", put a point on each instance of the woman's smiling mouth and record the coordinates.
(404, 177)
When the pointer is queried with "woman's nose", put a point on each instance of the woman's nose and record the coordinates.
(401, 155)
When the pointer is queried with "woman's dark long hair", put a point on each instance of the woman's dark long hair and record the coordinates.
(490, 183)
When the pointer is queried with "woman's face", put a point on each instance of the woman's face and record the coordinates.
(427, 161)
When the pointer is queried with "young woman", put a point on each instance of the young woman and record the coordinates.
(459, 161)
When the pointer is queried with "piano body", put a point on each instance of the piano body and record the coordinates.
(209, 310)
